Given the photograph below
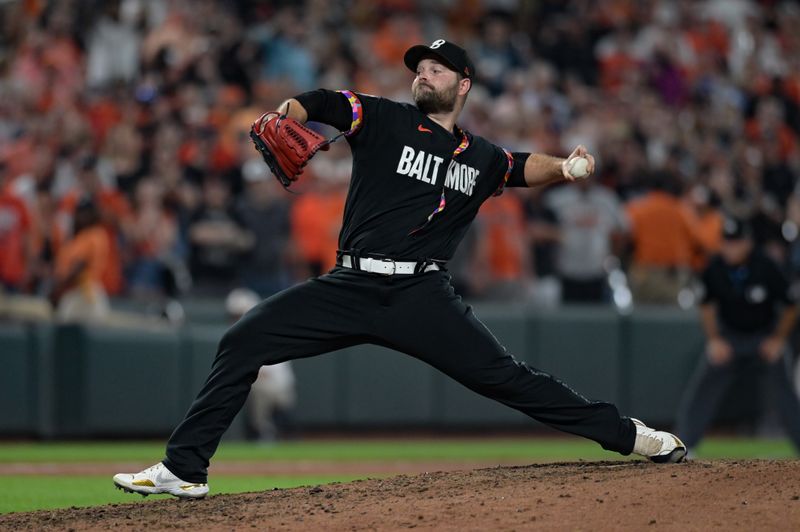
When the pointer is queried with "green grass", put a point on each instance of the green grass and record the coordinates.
(24, 493)
(715, 448)
(397, 449)
(335, 450)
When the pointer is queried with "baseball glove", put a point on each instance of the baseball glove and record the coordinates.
(286, 145)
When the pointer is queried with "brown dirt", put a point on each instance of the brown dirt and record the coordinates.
(633, 495)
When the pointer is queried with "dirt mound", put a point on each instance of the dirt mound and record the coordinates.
(635, 495)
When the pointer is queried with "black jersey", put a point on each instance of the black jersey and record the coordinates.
(415, 187)
(747, 294)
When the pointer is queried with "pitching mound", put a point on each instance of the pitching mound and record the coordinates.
(724, 495)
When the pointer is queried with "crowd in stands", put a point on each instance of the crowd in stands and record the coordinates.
(126, 168)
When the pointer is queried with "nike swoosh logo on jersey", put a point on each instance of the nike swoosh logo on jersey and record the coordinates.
(423, 129)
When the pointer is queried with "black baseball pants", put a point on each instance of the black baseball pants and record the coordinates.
(419, 315)
(708, 386)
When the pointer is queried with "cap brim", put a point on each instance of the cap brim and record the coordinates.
(415, 54)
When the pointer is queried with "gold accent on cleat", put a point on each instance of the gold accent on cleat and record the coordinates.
(145, 482)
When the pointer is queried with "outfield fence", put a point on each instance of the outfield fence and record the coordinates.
(74, 381)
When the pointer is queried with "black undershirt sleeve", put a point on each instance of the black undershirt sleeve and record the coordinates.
(517, 177)
(709, 296)
(780, 285)
(327, 107)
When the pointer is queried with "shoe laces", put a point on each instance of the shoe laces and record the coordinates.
(151, 469)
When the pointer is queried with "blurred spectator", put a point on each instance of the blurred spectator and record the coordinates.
(503, 267)
(566, 43)
(769, 127)
(15, 245)
(316, 216)
(78, 292)
(218, 240)
(776, 184)
(748, 312)
(154, 238)
(39, 173)
(791, 231)
(264, 212)
(113, 47)
(115, 216)
(121, 160)
(394, 36)
(495, 55)
(176, 40)
(617, 64)
(543, 236)
(592, 225)
(706, 220)
(272, 395)
(286, 53)
(662, 242)
(45, 241)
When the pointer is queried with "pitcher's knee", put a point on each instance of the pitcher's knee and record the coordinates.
(234, 339)
(238, 342)
(247, 343)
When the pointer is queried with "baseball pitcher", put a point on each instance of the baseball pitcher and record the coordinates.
(417, 182)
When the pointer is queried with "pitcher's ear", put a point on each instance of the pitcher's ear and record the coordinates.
(465, 82)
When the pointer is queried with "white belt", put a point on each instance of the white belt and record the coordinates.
(386, 266)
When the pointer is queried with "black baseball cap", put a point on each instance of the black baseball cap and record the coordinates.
(735, 228)
(449, 54)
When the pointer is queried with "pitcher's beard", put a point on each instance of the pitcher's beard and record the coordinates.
(430, 101)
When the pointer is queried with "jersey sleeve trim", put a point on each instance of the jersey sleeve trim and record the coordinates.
(358, 112)
(502, 186)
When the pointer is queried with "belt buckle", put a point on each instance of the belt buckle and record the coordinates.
(394, 266)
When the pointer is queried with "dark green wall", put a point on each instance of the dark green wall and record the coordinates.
(18, 373)
(73, 381)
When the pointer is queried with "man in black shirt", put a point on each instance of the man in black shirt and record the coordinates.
(417, 183)
(747, 315)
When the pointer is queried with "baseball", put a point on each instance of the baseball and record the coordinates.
(578, 167)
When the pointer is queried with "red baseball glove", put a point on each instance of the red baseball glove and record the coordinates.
(286, 145)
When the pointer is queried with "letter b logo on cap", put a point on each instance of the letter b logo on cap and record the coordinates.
(437, 43)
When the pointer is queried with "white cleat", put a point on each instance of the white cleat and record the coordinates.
(159, 479)
(659, 446)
